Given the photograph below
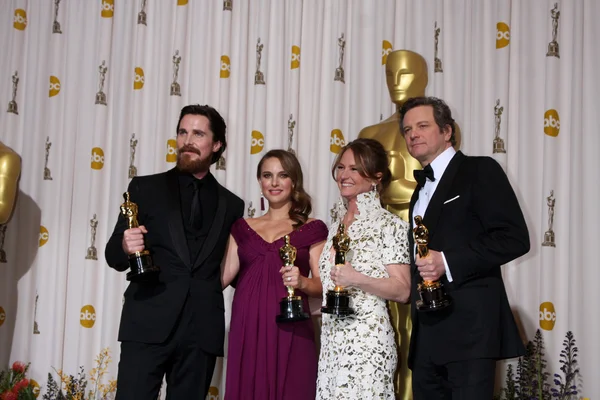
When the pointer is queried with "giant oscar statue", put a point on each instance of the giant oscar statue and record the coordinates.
(406, 76)
(10, 170)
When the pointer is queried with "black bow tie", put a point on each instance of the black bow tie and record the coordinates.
(421, 174)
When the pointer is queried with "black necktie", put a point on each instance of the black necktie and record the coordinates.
(196, 210)
(421, 174)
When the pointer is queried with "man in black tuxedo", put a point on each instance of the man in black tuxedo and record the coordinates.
(475, 225)
(175, 325)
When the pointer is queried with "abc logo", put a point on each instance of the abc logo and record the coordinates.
(225, 67)
(35, 387)
(386, 49)
(108, 8)
(295, 57)
(2, 316)
(87, 316)
(20, 21)
(171, 150)
(213, 393)
(97, 158)
(551, 123)
(502, 35)
(138, 78)
(257, 143)
(337, 141)
(547, 316)
(54, 86)
(182, 2)
(44, 235)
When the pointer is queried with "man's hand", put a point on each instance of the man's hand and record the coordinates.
(431, 267)
(133, 239)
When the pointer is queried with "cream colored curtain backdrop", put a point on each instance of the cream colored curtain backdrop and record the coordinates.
(88, 91)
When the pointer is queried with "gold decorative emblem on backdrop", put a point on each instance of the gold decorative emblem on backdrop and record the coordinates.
(55, 23)
(259, 77)
(295, 63)
(502, 35)
(54, 88)
(339, 71)
(132, 145)
(551, 123)
(251, 210)
(175, 88)
(2, 237)
(138, 78)
(291, 126)
(549, 234)
(142, 14)
(47, 173)
(20, 19)
(225, 67)
(92, 253)
(12, 105)
(227, 5)
(101, 96)
(498, 142)
(437, 63)
(87, 316)
(257, 142)
(36, 328)
(553, 45)
(386, 49)
(337, 141)
(44, 236)
(97, 159)
(171, 155)
(108, 9)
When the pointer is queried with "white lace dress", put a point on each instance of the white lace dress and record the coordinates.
(358, 354)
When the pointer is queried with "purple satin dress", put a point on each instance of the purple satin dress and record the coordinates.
(267, 360)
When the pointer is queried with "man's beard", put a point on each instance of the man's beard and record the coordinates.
(185, 163)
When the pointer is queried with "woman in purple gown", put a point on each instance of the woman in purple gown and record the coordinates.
(267, 360)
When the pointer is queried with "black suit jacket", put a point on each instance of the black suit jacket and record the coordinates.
(150, 311)
(475, 219)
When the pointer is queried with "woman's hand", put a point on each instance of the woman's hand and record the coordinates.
(344, 275)
(291, 277)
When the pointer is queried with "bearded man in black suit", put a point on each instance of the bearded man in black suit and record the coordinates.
(175, 325)
(475, 225)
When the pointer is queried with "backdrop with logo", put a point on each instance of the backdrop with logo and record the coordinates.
(90, 94)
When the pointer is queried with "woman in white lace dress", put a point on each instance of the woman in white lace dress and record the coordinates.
(358, 353)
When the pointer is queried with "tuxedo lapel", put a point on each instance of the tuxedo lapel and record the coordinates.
(215, 228)
(175, 218)
(434, 208)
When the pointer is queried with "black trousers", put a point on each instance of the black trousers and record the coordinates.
(187, 367)
(460, 380)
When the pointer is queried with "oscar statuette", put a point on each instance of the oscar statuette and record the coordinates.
(140, 263)
(432, 293)
(290, 307)
(338, 299)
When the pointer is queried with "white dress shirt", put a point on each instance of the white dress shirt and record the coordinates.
(439, 166)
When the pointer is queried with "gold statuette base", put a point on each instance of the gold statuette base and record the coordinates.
(338, 303)
(142, 267)
(291, 309)
(433, 296)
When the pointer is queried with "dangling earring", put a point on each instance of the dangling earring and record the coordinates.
(262, 202)
(374, 189)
